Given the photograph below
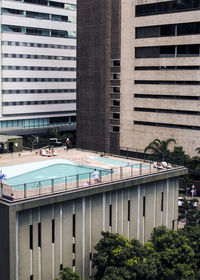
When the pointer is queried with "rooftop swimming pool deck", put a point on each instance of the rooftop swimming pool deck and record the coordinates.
(33, 175)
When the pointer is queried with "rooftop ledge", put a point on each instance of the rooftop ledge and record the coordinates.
(111, 177)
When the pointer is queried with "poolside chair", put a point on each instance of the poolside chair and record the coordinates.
(166, 165)
(43, 153)
(157, 165)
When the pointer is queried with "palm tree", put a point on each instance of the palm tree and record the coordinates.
(198, 150)
(159, 148)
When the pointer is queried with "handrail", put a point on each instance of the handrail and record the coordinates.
(81, 180)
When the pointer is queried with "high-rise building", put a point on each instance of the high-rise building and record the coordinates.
(155, 93)
(38, 65)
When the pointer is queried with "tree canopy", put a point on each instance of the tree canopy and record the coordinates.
(160, 149)
(68, 274)
(176, 257)
(169, 255)
(120, 258)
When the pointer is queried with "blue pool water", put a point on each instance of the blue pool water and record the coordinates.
(58, 172)
(120, 162)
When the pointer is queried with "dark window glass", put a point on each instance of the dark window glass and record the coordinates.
(110, 215)
(176, 126)
(167, 51)
(116, 116)
(143, 82)
(188, 50)
(147, 52)
(146, 32)
(162, 202)
(61, 267)
(144, 206)
(37, 15)
(31, 236)
(183, 29)
(149, 68)
(166, 7)
(167, 30)
(115, 128)
(11, 11)
(129, 208)
(116, 89)
(116, 103)
(56, 4)
(188, 28)
(116, 63)
(39, 235)
(53, 231)
(74, 225)
(74, 248)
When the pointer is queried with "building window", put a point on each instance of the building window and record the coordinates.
(110, 215)
(114, 128)
(39, 235)
(151, 82)
(73, 248)
(129, 210)
(31, 236)
(39, 31)
(115, 63)
(144, 206)
(158, 96)
(166, 7)
(162, 201)
(183, 29)
(74, 225)
(176, 126)
(53, 230)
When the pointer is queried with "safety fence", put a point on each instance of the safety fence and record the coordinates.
(83, 180)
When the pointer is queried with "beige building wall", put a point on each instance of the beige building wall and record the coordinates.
(134, 136)
(133, 212)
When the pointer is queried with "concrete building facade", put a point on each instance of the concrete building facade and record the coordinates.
(158, 93)
(42, 235)
(38, 65)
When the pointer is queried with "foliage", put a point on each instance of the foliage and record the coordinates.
(176, 256)
(189, 212)
(193, 234)
(119, 258)
(53, 132)
(198, 150)
(194, 163)
(169, 255)
(179, 157)
(159, 149)
(68, 274)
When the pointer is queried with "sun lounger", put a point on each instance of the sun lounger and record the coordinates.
(157, 165)
(166, 165)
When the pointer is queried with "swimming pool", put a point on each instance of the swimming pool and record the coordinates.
(119, 162)
(41, 173)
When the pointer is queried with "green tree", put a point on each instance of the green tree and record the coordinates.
(179, 157)
(189, 211)
(53, 132)
(176, 256)
(197, 150)
(194, 163)
(68, 274)
(159, 149)
(193, 235)
(120, 258)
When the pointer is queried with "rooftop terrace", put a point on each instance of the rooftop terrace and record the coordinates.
(111, 168)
